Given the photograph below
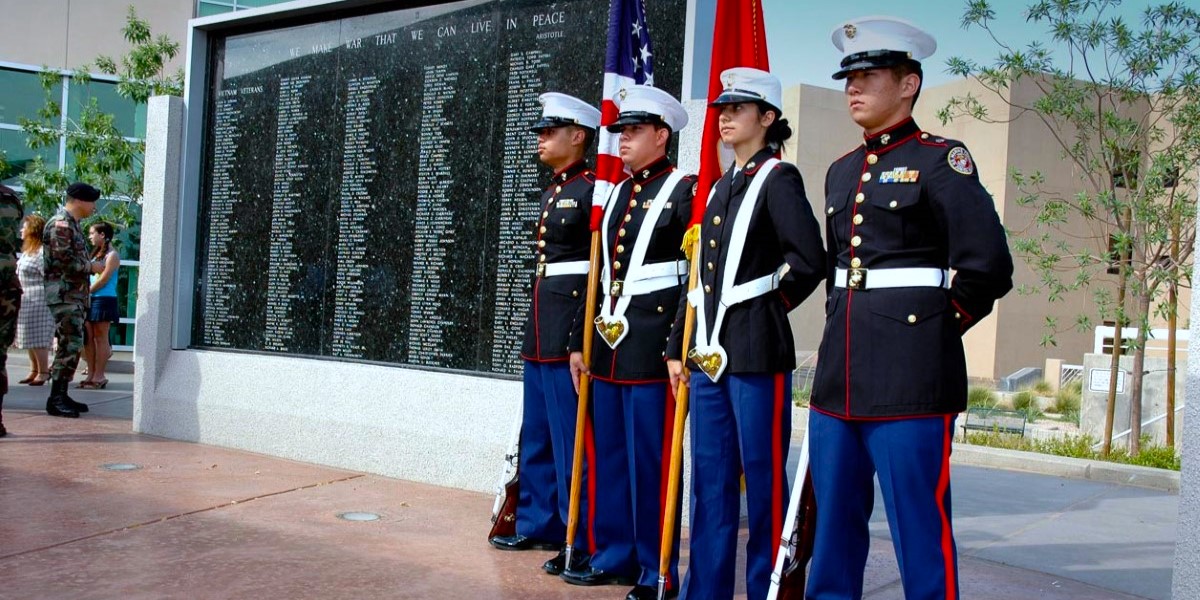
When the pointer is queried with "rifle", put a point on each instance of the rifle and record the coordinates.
(798, 535)
(581, 412)
(504, 509)
(681, 411)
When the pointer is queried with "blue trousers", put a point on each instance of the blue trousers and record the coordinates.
(912, 459)
(632, 430)
(547, 445)
(740, 424)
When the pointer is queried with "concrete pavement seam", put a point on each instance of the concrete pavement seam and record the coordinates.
(180, 515)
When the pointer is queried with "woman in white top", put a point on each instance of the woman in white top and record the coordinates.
(35, 326)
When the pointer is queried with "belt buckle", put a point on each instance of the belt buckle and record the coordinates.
(541, 269)
(615, 288)
(856, 279)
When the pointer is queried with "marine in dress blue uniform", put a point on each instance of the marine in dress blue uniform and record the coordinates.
(760, 256)
(642, 280)
(559, 284)
(902, 211)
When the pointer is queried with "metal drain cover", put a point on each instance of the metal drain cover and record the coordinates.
(120, 467)
(358, 516)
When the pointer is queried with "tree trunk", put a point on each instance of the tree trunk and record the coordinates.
(1139, 370)
(1115, 364)
(1172, 325)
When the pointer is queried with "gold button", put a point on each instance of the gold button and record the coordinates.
(620, 248)
(829, 210)
(872, 159)
(558, 189)
(542, 229)
(893, 204)
(617, 265)
(628, 218)
(710, 266)
(660, 309)
(855, 241)
(574, 293)
(860, 197)
(924, 136)
(716, 220)
(855, 262)
(545, 214)
(858, 219)
(957, 315)
(541, 258)
(632, 203)
(866, 177)
(712, 243)
(912, 318)
(637, 188)
(541, 243)
(621, 232)
(707, 289)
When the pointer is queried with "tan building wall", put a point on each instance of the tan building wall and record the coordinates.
(72, 33)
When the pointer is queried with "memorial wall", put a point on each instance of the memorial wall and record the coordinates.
(369, 187)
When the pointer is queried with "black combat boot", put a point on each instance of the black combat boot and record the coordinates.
(3, 431)
(58, 404)
(78, 406)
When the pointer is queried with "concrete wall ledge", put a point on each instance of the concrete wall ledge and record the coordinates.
(1061, 466)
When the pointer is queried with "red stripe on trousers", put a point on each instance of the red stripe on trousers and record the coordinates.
(947, 535)
(777, 464)
(668, 440)
(589, 441)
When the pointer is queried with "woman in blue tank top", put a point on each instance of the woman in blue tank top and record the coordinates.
(103, 312)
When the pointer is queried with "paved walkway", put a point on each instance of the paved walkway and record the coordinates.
(200, 521)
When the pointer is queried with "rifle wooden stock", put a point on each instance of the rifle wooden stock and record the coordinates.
(798, 536)
(589, 328)
(681, 410)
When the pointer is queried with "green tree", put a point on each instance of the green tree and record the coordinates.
(1122, 102)
(103, 156)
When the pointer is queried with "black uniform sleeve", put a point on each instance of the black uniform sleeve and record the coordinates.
(683, 198)
(798, 233)
(976, 240)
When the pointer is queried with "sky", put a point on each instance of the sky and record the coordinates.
(801, 51)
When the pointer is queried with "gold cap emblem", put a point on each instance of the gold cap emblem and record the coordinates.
(850, 30)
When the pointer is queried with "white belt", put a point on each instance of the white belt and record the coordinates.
(873, 279)
(575, 267)
(651, 278)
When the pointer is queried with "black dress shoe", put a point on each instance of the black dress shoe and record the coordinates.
(554, 566)
(593, 576)
(520, 542)
(648, 592)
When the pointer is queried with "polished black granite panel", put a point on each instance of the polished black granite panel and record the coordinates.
(369, 184)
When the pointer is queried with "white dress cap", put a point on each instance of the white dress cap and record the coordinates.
(648, 104)
(560, 109)
(874, 42)
(747, 84)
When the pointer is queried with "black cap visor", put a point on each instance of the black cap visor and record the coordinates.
(635, 118)
(552, 122)
(874, 59)
(742, 97)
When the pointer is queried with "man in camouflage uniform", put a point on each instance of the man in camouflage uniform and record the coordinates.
(11, 214)
(68, 268)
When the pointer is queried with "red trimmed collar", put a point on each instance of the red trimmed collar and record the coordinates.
(892, 135)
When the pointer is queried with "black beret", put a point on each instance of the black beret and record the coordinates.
(83, 191)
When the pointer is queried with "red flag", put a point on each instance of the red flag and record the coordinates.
(739, 40)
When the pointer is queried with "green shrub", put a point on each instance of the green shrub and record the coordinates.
(982, 397)
(1079, 446)
(1042, 388)
(1023, 400)
(1069, 398)
(801, 396)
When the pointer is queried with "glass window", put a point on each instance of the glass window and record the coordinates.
(257, 3)
(21, 95)
(108, 100)
(206, 9)
(20, 157)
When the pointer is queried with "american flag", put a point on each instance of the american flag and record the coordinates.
(629, 61)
